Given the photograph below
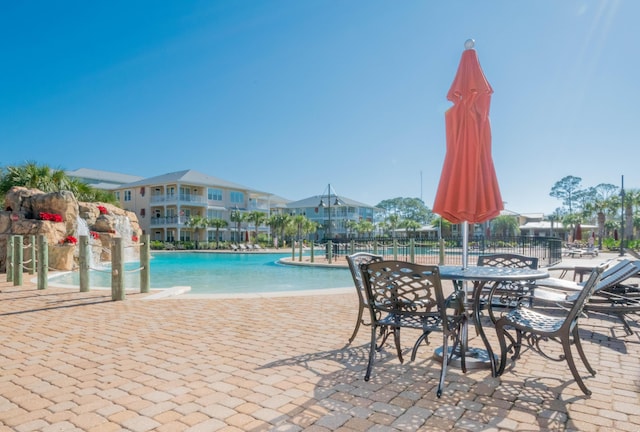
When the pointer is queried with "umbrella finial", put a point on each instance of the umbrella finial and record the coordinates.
(469, 43)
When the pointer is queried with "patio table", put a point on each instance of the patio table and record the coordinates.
(476, 358)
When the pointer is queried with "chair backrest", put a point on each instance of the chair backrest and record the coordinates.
(613, 275)
(355, 261)
(508, 260)
(586, 292)
(401, 289)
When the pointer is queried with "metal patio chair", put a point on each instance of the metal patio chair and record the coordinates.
(355, 261)
(405, 295)
(533, 326)
(504, 296)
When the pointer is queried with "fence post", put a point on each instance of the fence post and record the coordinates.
(145, 262)
(117, 269)
(395, 249)
(313, 247)
(43, 262)
(83, 263)
(32, 268)
(17, 260)
(412, 250)
(9, 263)
(375, 246)
(352, 247)
(441, 251)
(329, 251)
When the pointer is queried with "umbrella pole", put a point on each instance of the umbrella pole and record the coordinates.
(465, 245)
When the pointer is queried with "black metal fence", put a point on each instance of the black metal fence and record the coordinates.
(449, 251)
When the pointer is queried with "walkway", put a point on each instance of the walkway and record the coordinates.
(79, 362)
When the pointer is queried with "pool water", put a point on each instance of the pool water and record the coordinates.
(216, 273)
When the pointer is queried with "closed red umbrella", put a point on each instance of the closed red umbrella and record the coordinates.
(578, 233)
(468, 190)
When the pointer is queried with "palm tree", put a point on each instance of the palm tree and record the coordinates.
(34, 176)
(631, 201)
(278, 222)
(196, 222)
(218, 223)
(351, 225)
(257, 218)
(364, 227)
(238, 217)
(505, 226)
(393, 221)
(410, 226)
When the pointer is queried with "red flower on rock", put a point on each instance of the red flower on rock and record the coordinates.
(69, 240)
(102, 209)
(94, 235)
(134, 238)
(50, 217)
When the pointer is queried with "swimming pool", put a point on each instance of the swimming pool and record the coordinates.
(222, 273)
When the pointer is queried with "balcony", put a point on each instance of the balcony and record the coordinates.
(168, 221)
(174, 199)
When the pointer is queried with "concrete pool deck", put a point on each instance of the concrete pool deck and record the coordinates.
(76, 361)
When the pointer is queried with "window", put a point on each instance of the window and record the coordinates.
(127, 195)
(214, 214)
(142, 191)
(236, 197)
(214, 194)
(143, 212)
(117, 195)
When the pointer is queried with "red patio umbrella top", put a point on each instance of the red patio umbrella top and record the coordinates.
(468, 189)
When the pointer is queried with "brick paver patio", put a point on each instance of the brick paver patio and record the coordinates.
(76, 361)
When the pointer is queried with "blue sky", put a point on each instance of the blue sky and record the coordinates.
(287, 96)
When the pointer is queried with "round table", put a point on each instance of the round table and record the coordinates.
(480, 275)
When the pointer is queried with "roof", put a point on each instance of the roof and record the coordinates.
(190, 177)
(103, 177)
(314, 201)
(546, 225)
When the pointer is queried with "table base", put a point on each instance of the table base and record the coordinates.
(475, 358)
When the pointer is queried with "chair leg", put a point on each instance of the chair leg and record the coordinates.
(500, 331)
(464, 329)
(517, 347)
(372, 353)
(583, 357)
(359, 320)
(396, 338)
(445, 363)
(424, 336)
(566, 346)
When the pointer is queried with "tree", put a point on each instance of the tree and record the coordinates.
(505, 226)
(567, 189)
(411, 226)
(365, 227)
(600, 202)
(407, 208)
(278, 222)
(196, 223)
(393, 221)
(443, 225)
(218, 223)
(351, 226)
(256, 217)
(237, 217)
(42, 177)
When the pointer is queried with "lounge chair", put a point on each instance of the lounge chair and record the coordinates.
(612, 295)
